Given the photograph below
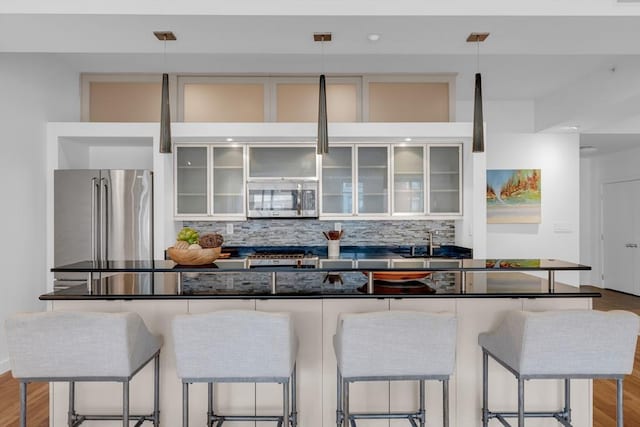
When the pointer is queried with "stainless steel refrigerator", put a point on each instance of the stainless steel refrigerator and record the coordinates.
(102, 215)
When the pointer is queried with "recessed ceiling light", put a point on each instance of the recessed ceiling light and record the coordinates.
(407, 140)
(373, 37)
(229, 139)
(588, 149)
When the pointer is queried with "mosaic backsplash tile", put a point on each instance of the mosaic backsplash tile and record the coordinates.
(296, 232)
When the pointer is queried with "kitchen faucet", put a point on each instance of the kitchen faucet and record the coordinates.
(432, 245)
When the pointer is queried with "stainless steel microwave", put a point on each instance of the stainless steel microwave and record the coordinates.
(282, 199)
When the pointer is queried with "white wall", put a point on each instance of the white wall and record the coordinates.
(557, 236)
(35, 89)
(599, 170)
(500, 116)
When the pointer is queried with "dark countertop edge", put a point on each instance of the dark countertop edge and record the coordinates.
(270, 269)
(51, 297)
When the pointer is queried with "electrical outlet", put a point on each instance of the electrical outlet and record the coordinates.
(229, 228)
(337, 226)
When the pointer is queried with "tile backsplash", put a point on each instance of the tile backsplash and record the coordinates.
(307, 232)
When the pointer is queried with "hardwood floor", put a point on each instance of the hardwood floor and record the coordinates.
(37, 407)
(604, 391)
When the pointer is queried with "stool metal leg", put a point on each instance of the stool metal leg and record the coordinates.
(185, 404)
(421, 409)
(620, 402)
(339, 409)
(156, 391)
(520, 402)
(345, 403)
(285, 403)
(71, 415)
(567, 399)
(209, 404)
(445, 402)
(294, 396)
(485, 389)
(125, 403)
(23, 404)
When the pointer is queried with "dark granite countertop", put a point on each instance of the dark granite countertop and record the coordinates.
(311, 285)
(352, 258)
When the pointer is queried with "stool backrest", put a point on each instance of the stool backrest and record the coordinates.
(234, 345)
(395, 343)
(576, 341)
(78, 344)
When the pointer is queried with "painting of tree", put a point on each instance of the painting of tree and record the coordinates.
(513, 196)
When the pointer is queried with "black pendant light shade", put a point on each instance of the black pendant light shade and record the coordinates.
(323, 136)
(165, 119)
(478, 122)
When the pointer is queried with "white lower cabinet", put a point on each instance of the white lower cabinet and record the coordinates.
(315, 323)
(307, 316)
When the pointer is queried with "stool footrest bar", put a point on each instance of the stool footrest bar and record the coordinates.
(218, 418)
(381, 416)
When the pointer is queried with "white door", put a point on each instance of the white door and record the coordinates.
(621, 228)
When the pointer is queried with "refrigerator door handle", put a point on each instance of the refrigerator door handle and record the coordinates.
(94, 231)
(104, 228)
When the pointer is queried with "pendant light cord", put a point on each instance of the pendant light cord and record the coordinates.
(478, 54)
(322, 55)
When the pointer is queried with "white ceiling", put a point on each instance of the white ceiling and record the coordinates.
(526, 57)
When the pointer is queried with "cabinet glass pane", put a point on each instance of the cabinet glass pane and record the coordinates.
(228, 180)
(408, 166)
(191, 180)
(372, 180)
(227, 204)
(276, 162)
(444, 179)
(227, 157)
(337, 186)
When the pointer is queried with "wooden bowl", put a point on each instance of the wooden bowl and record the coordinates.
(194, 256)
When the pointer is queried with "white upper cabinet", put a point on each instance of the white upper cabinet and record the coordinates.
(363, 180)
(209, 181)
(191, 172)
(419, 180)
(445, 179)
(283, 162)
(373, 180)
(409, 180)
(228, 181)
(337, 181)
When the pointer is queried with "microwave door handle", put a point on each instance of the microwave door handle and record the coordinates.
(299, 201)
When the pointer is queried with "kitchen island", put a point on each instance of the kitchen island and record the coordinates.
(159, 290)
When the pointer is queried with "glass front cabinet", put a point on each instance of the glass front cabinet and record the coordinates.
(209, 181)
(366, 180)
(403, 180)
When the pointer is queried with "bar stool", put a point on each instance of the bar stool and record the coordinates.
(559, 345)
(389, 346)
(80, 346)
(237, 346)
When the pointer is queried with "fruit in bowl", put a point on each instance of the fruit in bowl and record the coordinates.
(192, 249)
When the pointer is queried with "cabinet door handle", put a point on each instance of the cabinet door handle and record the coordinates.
(631, 245)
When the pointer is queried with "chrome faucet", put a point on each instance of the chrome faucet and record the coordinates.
(432, 245)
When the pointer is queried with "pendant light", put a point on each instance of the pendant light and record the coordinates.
(165, 116)
(478, 120)
(323, 136)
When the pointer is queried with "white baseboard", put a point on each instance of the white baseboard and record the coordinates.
(4, 366)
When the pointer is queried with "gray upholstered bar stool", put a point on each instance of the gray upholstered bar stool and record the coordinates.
(237, 346)
(80, 346)
(559, 345)
(394, 345)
